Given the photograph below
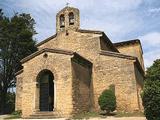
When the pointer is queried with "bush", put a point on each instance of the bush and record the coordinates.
(18, 112)
(10, 102)
(107, 101)
(151, 100)
(151, 92)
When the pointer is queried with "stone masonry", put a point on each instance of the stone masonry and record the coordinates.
(84, 63)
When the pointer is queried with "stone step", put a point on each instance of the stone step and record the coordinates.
(43, 115)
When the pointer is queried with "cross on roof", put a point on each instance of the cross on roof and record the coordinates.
(67, 4)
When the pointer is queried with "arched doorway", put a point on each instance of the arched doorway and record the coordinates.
(46, 90)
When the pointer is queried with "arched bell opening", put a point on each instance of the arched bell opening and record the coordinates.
(71, 18)
(62, 21)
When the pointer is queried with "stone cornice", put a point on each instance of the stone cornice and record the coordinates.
(127, 43)
(116, 54)
(120, 55)
(54, 50)
(46, 40)
(79, 30)
(19, 72)
(89, 31)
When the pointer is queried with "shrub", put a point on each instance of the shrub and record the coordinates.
(10, 103)
(107, 101)
(151, 92)
(151, 100)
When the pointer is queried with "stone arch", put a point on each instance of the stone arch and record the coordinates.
(46, 92)
(71, 18)
(62, 21)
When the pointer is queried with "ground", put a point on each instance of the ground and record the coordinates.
(96, 118)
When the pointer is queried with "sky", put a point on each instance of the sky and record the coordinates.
(121, 20)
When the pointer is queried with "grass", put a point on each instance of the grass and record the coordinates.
(127, 114)
(14, 115)
(88, 115)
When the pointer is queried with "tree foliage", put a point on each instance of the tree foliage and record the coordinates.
(107, 100)
(151, 92)
(16, 42)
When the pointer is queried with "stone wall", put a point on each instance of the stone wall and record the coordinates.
(133, 50)
(77, 88)
(140, 82)
(120, 72)
(106, 70)
(63, 83)
(85, 44)
(81, 75)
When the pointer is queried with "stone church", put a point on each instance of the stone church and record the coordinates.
(74, 66)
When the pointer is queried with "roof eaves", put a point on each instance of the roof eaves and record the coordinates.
(126, 42)
(46, 40)
(89, 31)
(19, 72)
(120, 55)
(60, 51)
(129, 42)
(115, 54)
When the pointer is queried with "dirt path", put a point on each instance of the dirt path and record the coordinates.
(108, 118)
(121, 118)
(3, 116)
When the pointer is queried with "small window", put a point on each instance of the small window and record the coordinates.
(71, 18)
(62, 21)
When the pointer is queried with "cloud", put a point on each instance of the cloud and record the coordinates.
(154, 10)
(151, 40)
(112, 5)
(151, 46)
(119, 19)
(150, 57)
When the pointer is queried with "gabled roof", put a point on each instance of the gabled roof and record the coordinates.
(115, 54)
(128, 42)
(46, 40)
(120, 55)
(54, 50)
(79, 30)
(59, 51)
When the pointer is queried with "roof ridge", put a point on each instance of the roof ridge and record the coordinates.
(127, 42)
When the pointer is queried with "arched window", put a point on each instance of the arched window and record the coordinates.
(71, 18)
(62, 21)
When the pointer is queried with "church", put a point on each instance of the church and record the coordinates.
(73, 67)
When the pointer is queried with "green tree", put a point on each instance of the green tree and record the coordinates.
(151, 92)
(107, 101)
(16, 42)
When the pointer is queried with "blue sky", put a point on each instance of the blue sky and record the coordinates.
(119, 19)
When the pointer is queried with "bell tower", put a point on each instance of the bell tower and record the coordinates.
(67, 19)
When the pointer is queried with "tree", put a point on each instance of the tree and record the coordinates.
(107, 101)
(151, 92)
(16, 42)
